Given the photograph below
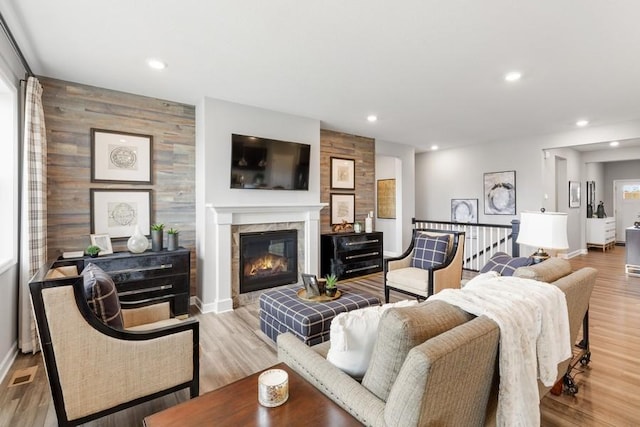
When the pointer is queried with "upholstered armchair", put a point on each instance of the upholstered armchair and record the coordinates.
(432, 262)
(95, 369)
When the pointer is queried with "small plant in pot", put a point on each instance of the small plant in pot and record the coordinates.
(172, 239)
(332, 285)
(92, 251)
(157, 237)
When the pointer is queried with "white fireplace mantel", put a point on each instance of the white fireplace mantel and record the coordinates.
(215, 292)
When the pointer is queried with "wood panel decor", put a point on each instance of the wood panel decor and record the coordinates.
(386, 198)
(120, 157)
(71, 110)
(362, 151)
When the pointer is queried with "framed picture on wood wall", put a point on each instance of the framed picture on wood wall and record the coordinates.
(117, 212)
(343, 208)
(343, 174)
(120, 157)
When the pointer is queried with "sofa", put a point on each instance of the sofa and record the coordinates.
(433, 363)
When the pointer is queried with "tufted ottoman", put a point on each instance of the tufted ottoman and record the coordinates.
(282, 311)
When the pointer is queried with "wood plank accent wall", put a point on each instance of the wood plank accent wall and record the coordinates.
(71, 110)
(362, 150)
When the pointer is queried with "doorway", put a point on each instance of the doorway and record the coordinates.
(626, 205)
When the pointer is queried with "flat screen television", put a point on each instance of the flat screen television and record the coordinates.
(269, 164)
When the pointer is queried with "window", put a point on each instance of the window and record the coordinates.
(8, 173)
(630, 192)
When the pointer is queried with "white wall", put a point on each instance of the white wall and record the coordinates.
(405, 186)
(458, 173)
(216, 120)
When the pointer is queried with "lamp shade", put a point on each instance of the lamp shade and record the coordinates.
(546, 230)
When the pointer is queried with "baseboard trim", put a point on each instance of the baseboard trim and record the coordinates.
(221, 306)
(7, 362)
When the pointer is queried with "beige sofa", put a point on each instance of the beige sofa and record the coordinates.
(432, 364)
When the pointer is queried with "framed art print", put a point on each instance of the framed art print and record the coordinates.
(343, 208)
(117, 212)
(310, 282)
(386, 198)
(574, 194)
(343, 174)
(464, 211)
(120, 157)
(103, 241)
(500, 193)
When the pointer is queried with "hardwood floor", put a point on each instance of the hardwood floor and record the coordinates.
(232, 347)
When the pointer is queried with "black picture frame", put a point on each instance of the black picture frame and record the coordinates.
(343, 208)
(117, 212)
(310, 282)
(343, 173)
(464, 211)
(121, 157)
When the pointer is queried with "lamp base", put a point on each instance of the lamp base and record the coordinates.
(539, 256)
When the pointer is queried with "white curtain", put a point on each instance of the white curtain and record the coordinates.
(33, 251)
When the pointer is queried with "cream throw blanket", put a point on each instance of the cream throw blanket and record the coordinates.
(534, 337)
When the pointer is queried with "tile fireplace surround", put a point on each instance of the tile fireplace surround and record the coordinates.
(218, 284)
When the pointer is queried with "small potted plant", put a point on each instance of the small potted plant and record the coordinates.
(157, 236)
(92, 251)
(172, 239)
(332, 285)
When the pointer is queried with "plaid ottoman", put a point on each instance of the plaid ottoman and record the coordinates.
(282, 311)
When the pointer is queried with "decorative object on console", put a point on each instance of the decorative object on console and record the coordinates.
(120, 157)
(92, 251)
(574, 194)
(172, 239)
(357, 227)
(102, 241)
(368, 223)
(342, 208)
(343, 227)
(138, 242)
(157, 237)
(600, 213)
(543, 230)
(343, 174)
(386, 198)
(117, 212)
(500, 193)
(464, 211)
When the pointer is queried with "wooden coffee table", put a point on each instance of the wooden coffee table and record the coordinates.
(237, 404)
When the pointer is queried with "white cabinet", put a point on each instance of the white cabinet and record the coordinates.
(601, 233)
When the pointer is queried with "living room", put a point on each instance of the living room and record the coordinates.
(192, 140)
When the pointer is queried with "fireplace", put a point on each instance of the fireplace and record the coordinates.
(268, 259)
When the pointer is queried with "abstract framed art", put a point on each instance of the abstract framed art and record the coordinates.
(117, 212)
(500, 193)
(120, 157)
(464, 211)
(574, 194)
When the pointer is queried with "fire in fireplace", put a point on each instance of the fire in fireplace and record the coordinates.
(268, 259)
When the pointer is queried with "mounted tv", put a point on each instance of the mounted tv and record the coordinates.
(269, 164)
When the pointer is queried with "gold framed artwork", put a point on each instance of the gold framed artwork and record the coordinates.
(387, 198)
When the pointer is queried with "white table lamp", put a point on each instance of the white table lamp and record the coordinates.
(543, 230)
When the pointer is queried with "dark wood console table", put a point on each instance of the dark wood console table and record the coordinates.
(350, 254)
(237, 404)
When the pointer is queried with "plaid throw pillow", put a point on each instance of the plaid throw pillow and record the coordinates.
(504, 264)
(101, 295)
(429, 251)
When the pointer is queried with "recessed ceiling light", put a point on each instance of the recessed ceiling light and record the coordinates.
(614, 143)
(156, 64)
(372, 118)
(434, 147)
(582, 123)
(513, 76)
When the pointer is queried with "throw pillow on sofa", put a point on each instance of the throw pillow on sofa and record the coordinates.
(352, 336)
(102, 296)
(429, 251)
(505, 264)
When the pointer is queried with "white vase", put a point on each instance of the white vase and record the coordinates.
(138, 242)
